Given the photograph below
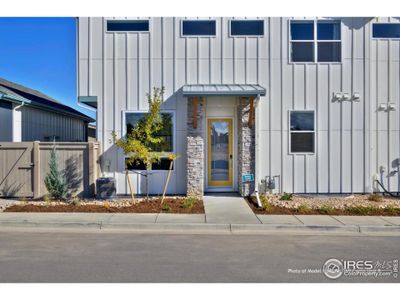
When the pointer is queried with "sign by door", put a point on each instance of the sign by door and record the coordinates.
(247, 178)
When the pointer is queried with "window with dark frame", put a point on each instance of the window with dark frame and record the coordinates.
(163, 164)
(315, 41)
(386, 30)
(302, 132)
(247, 27)
(166, 134)
(199, 28)
(128, 25)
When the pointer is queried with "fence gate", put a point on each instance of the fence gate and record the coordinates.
(16, 169)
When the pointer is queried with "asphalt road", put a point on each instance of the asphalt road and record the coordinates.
(149, 257)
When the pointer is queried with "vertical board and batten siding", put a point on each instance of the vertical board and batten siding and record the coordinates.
(38, 124)
(352, 139)
(385, 126)
(5, 122)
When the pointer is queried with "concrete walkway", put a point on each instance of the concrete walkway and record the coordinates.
(228, 209)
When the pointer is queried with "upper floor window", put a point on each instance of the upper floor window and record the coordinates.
(315, 41)
(386, 31)
(128, 25)
(247, 27)
(198, 28)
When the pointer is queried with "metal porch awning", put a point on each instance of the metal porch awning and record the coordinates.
(250, 90)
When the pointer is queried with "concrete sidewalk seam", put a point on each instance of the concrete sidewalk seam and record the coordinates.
(299, 219)
(333, 217)
(380, 217)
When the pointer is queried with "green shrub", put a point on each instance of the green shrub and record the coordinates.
(54, 180)
(375, 197)
(303, 209)
(327, 210)
(287, 197)
(189, 202)
(76, 201)
(23, 201)
(266, 205)
(165, 207)
(46, 200)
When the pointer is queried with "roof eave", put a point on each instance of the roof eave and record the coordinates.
(14, 99)
(29, 103)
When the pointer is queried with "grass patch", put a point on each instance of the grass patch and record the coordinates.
(326, 210)
(287, 197)
(364, 210)
(303, 209)
(266, 205)
(391, 210)
(47, 200)
(165, 207)
(77, 201)
(189, 202)
(375, 197)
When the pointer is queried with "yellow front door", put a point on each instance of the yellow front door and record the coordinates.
(219, 152)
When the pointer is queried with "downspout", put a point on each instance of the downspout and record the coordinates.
(13, 121)
(256, 152)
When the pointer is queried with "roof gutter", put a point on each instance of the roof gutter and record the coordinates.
(27, 102)
(14, 99)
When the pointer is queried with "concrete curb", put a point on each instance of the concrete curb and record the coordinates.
(286, 227)
(168, 227)
(27, 224)
(388, 228)
(203, 227)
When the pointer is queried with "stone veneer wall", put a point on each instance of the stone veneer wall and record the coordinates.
(195, 149)
(246, 149)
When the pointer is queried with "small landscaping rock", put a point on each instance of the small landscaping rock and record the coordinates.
(327, 204)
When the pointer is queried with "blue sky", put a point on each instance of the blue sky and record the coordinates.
(40, 53)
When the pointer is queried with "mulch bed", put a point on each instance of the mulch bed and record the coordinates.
(357, 211)
(147, 206)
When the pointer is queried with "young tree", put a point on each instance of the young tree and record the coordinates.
(172, 158)
(54, 180)
(141, 140)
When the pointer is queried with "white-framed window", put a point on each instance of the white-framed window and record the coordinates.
(251, 28)
(126, 25)
(302, 132)
(315, 41)
(198, 28)
(167, 134)
(386, 31)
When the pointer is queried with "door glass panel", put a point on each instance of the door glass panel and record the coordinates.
(219, 150)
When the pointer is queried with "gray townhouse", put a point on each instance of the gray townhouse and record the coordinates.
(300, 105)
(29, 115)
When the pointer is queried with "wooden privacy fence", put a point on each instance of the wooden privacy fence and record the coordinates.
(23, 167)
